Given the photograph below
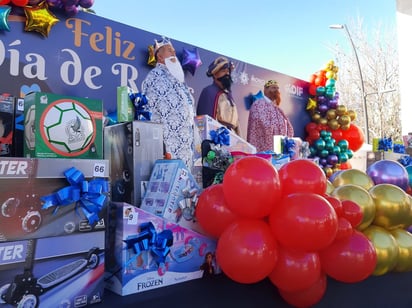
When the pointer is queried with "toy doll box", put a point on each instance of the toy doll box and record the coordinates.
(172, 193)
(43, 197)
(6, 124)
(147, 252)
(57, 126)
(53, 272)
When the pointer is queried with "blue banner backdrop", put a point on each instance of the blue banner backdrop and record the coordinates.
(89, 56)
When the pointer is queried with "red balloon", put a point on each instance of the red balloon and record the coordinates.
(247, 251)
(20, 3)
(312, 89)
(346, 165)
(337, 134)
(308, 297)
(251, 187)
(349, 260)
(345, 228)
(295, 270)
(355, 137)
(311, 126)
(336, 204)
(304, 222)
(352, 212)
(212, 213)
(302, 175)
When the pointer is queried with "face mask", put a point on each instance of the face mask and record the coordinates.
(175, 68)
(226, 81)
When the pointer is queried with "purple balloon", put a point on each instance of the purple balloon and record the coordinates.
(86, 3)
(333, 159)
(191, 60)
(323, 108)
(333, 103)
(389, 172)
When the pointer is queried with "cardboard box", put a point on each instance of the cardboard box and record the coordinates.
(148, 252)
(6, 124)
(57, 126)
(18, 132)
(53, 272)
(38, 199)
(132, 149)
(172, 193)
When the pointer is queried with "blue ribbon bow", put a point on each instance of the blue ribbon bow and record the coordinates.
(149, 240)
(289, 147)
(385, 144)
(405, 160)
(398, 148)
(220, 136)
(91, 196)
(141, 107)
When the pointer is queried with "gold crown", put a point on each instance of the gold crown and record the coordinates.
(270, 83)
(159, 44)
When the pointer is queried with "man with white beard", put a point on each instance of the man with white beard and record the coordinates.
(171, 102)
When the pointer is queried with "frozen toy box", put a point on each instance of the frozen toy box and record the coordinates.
(145, 252)
(52, 272)
(51, 197)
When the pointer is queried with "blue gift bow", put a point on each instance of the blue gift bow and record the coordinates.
(405, 160)
(220, 136)
(149, 240)
(398, 148)
(91, 196)
(141, 107)
(289, 147)
(385, 144)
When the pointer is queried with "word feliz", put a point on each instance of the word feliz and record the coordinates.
(72, 70)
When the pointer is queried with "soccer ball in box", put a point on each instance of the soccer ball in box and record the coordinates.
(43, 197)
(53, 271)
(57, 126)
(146, 252)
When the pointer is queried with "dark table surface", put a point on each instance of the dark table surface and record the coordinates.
(393, 290)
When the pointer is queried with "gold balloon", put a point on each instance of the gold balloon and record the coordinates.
(404, 240)
(333, 124)
(345, 127)
(355, 177)
(316, 117)
(329, 187)
(386, 247)
(39, 18)
(344, 120)
(341, 110)
(392, 204)
(323, 121)
(328, 171)
(361, 196)
(352, 115)
(151, 60)
(331, 114)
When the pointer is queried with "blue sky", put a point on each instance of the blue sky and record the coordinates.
(290, 37)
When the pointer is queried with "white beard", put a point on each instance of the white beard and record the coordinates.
(175, 68)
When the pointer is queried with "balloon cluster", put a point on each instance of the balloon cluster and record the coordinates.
(387, 211)
(283, 225)
(332, 155)
(328, 115)
(70, 7)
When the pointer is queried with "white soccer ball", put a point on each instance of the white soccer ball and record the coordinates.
(68, 127)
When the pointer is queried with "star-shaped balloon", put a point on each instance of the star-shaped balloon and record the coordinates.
(4, 14)
(39, 19)
(191, 60)
(151, 60)
(312, 104)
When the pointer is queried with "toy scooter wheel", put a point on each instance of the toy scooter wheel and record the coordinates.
(29, 301)
(31, 222)
(9, 207)
(3, 291)
(93, 259)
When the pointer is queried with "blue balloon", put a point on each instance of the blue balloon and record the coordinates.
(389, 172)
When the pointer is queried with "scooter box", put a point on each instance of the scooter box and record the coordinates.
(44, 273)
(51, 197)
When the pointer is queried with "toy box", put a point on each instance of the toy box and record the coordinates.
(172, 193)
(53, 272)
(57, 126)
(18, 132)
(6, 124)
(51, 197)
(132, 149)
(148, 252)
